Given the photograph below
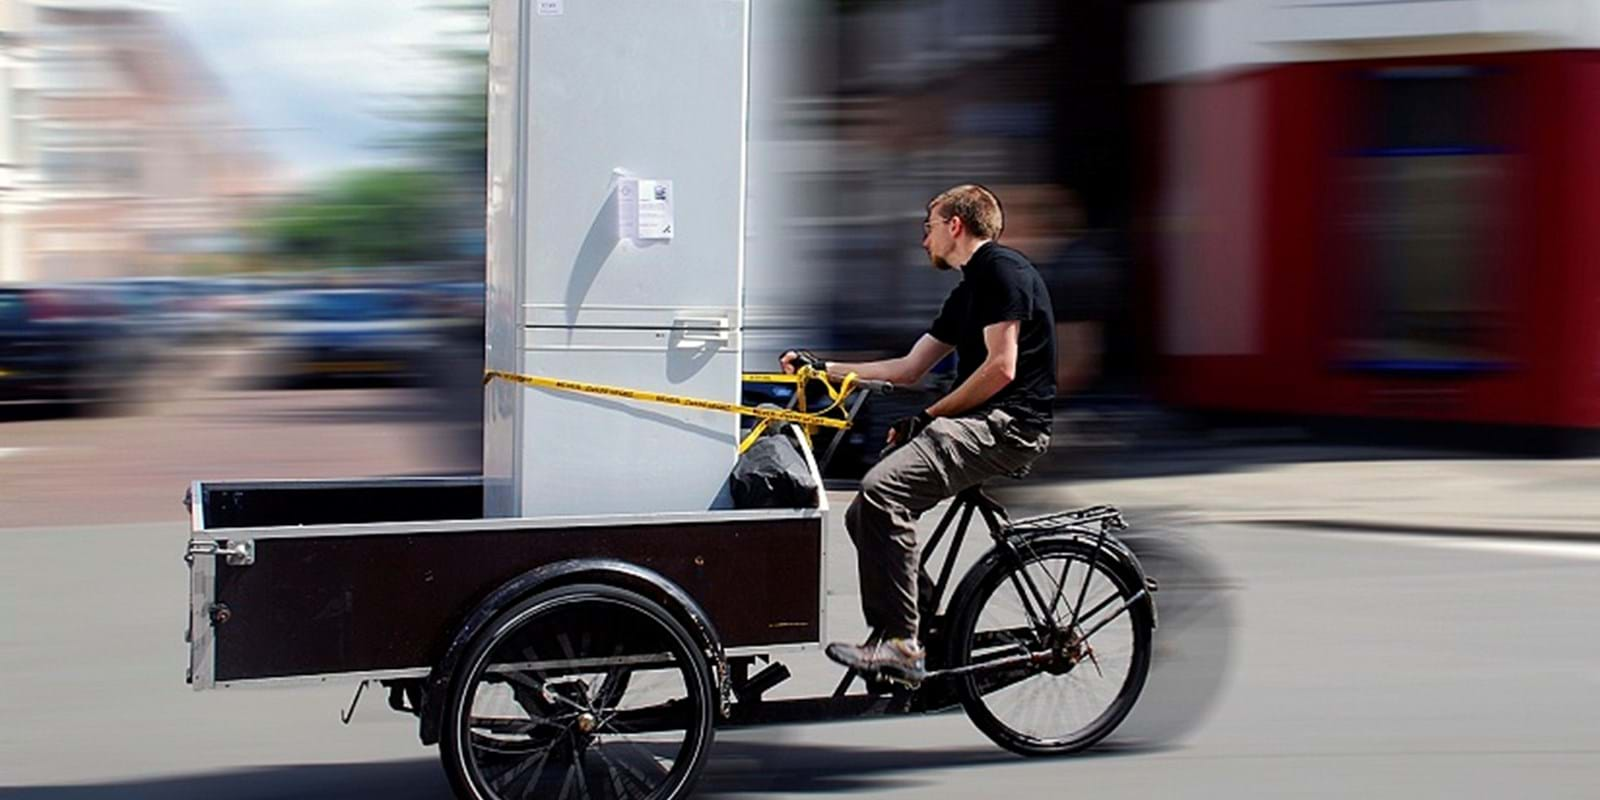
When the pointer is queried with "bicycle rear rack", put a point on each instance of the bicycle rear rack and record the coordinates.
(1109, 517)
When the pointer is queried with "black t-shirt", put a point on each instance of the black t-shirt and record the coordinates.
(998, 285)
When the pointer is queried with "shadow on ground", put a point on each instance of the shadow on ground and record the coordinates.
(737, 768)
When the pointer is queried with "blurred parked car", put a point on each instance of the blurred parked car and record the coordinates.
(345, 336)
(150, 307)
(459, 307)
(453, 373)
(69, 344)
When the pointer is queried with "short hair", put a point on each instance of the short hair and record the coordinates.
(977, 207)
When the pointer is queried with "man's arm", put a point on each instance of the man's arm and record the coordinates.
(904, 371)
(991, 376)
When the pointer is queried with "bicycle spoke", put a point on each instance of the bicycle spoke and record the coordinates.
(566, 784)
(1022, 595)
(1061, 585)
(1108, 620)
(582, 769)
(505, 781)
(649, 757)
(638, 777)
(617, 785)
(1089, 615)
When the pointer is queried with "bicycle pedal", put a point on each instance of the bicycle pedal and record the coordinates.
(877, 685)
(901, 684)
(886, 683)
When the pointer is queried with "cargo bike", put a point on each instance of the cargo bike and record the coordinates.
(595, 657)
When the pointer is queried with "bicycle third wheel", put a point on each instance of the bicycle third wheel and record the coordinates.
(1052, 690)
(583, 692)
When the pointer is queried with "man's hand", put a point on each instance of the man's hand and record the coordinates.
(904, 430)
(793, 360)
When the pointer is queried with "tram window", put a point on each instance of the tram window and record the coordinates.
(1427, 189)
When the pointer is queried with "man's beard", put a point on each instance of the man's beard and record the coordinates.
(939, 263)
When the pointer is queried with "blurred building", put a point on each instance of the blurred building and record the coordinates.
(119, 152)
(1376, 209)
(931, 93)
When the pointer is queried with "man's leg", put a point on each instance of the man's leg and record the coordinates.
(951, 455)
(882, 523)
(947, 457)
(870, 577)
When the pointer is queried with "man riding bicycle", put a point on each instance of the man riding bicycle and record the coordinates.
(995, 421)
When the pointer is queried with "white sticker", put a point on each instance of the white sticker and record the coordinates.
(644, 210)
(552, 8)
(655, 209)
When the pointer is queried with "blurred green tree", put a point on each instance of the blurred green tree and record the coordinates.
(363, 218)
(431, 211)
(450, 127)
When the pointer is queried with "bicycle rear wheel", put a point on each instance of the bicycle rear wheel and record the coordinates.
(1053, 688)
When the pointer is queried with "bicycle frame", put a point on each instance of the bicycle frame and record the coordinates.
(1015, 540)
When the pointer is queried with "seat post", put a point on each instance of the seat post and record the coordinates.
(958, 504)
(993, 512)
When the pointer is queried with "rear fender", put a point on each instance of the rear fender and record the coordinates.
(1113, 550)
(609, 572)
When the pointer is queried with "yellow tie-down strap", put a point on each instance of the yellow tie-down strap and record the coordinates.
(809, 421)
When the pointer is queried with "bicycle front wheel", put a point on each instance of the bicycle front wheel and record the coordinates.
(584, 691)
(1052, 687)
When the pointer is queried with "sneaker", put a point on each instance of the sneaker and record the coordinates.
(900, 660)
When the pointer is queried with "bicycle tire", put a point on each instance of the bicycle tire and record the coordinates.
(977, 690)
(485, 763)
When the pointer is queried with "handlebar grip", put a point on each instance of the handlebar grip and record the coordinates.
(882, 387)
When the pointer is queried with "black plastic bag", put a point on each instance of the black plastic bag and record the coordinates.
(773, 473)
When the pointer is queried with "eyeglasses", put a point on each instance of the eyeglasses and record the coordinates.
(927, 227)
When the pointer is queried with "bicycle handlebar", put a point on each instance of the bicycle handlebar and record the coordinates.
(855, 384)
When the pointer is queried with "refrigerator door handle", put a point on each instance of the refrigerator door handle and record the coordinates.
(699, 330)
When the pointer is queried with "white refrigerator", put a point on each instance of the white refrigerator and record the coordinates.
(616, 251)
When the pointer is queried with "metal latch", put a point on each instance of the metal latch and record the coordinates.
(241, 553)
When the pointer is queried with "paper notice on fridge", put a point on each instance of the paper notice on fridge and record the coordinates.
(644, 210)
(655, 209)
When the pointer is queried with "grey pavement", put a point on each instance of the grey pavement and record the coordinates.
(1379, 489)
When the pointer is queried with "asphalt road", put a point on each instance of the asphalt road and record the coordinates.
(1326, 666)
(1289, 663)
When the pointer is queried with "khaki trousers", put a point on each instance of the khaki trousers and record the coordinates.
(950, 455)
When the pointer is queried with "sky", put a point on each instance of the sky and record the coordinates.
(319, 79)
